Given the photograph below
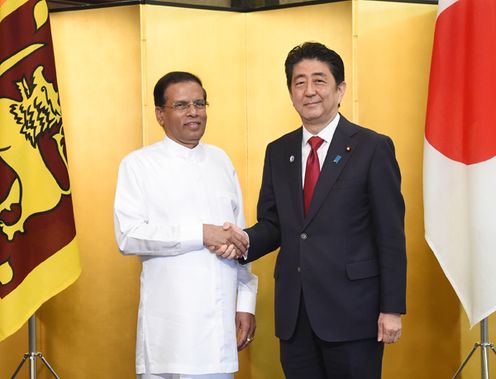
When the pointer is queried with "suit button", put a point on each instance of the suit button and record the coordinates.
(303, 236)
(298, 269)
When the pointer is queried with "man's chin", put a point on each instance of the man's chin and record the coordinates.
(311, 116)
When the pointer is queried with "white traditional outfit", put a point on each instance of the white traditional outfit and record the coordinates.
(189, 296)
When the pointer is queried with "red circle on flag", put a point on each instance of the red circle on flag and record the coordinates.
(461, 111)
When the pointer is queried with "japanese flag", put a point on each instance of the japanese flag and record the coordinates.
(460, 150)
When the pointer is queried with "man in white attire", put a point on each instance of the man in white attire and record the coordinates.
(196, 308)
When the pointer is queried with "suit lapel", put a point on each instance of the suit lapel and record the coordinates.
(340, 151)
(293, 159)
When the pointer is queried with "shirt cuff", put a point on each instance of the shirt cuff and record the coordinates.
(245, 255)
(247, 302)
(192, 237)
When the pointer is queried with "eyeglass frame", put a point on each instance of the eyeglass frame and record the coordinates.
(182, 106)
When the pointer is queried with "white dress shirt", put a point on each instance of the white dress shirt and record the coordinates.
(189, 296)
(326, 134)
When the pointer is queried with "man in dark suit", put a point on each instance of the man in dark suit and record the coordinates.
(330, 199)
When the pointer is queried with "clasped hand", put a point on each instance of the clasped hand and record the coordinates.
(227, 241)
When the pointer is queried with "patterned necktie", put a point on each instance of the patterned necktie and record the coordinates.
(312, 171)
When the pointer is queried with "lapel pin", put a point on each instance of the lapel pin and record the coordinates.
(291, 158)
(348, 148)
(337, 159)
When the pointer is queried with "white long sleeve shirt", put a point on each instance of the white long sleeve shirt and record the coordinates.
(189, 296)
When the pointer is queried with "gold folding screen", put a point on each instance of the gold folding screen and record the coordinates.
(108, 61)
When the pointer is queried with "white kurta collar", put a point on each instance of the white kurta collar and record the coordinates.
(179, 151)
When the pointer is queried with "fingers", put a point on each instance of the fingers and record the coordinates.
(230, 253)
(251, 332)
(245, 326)
(225, 251)
(214, 235)
(391, 337)
(238, 236)
(241, 236)
(243, 339)
(227, 241)
(239, 241)
(249, 336)
(218, 250)
(389, 327)
(380, 331)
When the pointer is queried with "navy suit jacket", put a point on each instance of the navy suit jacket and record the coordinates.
(347, 255)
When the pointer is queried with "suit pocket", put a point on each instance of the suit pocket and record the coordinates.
(362, 270)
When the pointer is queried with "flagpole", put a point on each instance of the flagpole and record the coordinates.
(33, 354)
(484, 360)
(32, 346)
(485, 345)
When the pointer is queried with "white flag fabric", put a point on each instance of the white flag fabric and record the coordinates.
(460, 152)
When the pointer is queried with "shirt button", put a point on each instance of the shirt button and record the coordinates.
(303, 236)
(298, 269)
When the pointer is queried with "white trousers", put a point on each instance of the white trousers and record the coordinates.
(148, 375)
(183, 376)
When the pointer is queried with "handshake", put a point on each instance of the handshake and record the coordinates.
(227, 241)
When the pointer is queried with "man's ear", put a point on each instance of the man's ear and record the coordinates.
(160, 116)
(341, 89)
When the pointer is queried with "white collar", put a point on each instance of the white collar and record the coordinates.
(177, 150)
(326, 133)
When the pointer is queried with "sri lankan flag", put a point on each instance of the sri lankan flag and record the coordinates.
(38, 251)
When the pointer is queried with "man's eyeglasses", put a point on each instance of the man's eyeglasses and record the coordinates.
(181, 106)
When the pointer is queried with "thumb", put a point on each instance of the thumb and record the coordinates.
(226, 226)
(380, 332)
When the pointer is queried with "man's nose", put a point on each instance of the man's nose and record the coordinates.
(309, 89)
(191, 110)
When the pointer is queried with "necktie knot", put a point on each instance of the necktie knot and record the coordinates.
(315, 142)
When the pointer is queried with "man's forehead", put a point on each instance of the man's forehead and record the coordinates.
(311, 67)
(184, 89)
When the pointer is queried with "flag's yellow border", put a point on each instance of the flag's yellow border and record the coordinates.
(45, 281)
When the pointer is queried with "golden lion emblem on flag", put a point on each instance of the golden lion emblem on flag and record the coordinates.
(35, 188)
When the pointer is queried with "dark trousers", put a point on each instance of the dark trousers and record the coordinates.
(306, 356)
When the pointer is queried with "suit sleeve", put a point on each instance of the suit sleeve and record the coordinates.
(388, 213)
(265, 235)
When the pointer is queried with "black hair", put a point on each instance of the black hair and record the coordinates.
(314, 50)
(172, 78)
